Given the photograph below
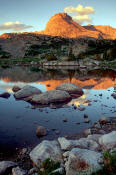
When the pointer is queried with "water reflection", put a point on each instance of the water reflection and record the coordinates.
(18, 120)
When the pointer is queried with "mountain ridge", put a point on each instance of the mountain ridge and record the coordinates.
(62, 25)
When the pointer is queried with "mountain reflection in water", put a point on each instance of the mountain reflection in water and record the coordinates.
(18, 121)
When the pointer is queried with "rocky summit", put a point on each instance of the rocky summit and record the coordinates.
(63, 25)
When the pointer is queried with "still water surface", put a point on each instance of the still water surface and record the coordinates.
(18, 121)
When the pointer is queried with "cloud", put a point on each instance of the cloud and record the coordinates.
(80, 10)
(81, 19)
(15, 26)
(81, 14)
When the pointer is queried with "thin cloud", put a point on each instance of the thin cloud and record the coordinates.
(15, 26)
(81, 13)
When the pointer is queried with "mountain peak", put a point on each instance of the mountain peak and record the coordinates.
(64, 16)
(61, 24)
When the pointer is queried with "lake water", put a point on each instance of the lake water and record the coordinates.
(18, 121)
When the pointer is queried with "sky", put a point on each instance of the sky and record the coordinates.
(32, 15)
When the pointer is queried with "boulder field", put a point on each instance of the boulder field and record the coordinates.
(63, 93)
(78, 157)
(75, 157)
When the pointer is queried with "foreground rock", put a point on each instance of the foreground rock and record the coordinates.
(46, 149)
(86, 143)
(41, 131)
(5, 166)
(108, 141)
(27, 91)
(70, 88)
(53, 96)
(5, 95)
(83, 161)
(18, 171)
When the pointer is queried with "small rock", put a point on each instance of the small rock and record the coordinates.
(41, 131)
(114, 96)
(57, 132)
(97, 125)
(100, 94)
(64, 120)
(5, 95)
(16, 88)
(78, 123)
(85, 116)
(24, 151)
(86, 121)
(81, 109)
(18, 171)
(87, 132)
(5, 165)
(103, 120)
(75, 107)
(33, 107)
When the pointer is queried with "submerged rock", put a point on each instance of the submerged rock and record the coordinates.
(53, 96)
(83, 161)
(5, 95)
(114, 96)
(6, 165)
(41, 131)
(46, 149)
(27, 91)
(70, 88)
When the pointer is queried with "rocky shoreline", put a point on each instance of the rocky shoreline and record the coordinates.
(79, 154)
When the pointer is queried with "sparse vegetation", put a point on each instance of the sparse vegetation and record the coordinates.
(51, 57)
(109, 167)
(48, 166)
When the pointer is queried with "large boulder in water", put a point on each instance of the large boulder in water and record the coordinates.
(27, 91)
(70, 88)
(53, 96)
